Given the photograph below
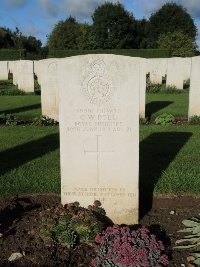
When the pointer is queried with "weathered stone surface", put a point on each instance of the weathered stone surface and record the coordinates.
(3, 70)
(194, 97)
(25, 76)
(49, 88)
(99, 133)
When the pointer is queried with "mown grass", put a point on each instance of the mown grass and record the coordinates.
(24, 107)
(171, 103)
(169, 160)
(29, 160)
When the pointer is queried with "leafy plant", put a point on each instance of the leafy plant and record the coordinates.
(153, 87)
(44, 120)
(12, 92)
(70, 225)
(143, 121)
(191, 242)
(164, 119)
(194, 120)
(173, 89)
(8, 119)
(119, 246)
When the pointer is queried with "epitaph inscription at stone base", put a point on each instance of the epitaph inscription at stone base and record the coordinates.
(99, 133)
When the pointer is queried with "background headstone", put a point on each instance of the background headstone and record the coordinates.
(3, 70)
(157, 67)
(175, 72)
(12, 68)
(194, 95)
(25, 76)
(99, 133)
(186, 67)
(49, 88)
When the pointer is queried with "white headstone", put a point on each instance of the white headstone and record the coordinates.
(186, 67)
(99, 133)
(194, 96)
(49, 88)
(3, 70)
(143, 66)
(175, 72)
(12, 68)
(25, 76)
(38, 69)
(157, 67)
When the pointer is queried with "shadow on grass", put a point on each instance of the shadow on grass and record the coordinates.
(155, 106)
(157, 151)
(14, 157)
(21, 109)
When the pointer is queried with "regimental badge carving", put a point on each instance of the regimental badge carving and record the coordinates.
(97, 86)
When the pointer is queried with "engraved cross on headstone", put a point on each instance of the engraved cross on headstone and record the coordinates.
(98, 153)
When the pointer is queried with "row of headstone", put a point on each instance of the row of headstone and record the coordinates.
(176, 70)
(100, 99)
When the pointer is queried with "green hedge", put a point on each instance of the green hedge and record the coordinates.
(12, 54)
(146, 53)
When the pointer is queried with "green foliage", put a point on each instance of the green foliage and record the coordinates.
(114, 27)
(12, 54)
(170, 18)
(85, 38)
(179, 44)
(153, 87)
(7, 88)
(146, 53)
(194, 120)
(69, 225)
(8, 119)
(164, 119)
(191, 242)
(6, 40)
(143, 121)
(45, 121)
(14, 45)
(12, 92)
(64, 35)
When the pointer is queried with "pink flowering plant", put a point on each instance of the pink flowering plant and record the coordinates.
(119, 246)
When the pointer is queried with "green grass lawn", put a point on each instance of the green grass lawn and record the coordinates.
(174, 103)
(169, 159)
(29, 159)
(24, 107)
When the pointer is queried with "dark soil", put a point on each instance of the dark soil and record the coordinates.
(21, 215)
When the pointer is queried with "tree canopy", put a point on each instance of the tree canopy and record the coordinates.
(170, 18)
(64, 35)
(114, 27)
(179, 44)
